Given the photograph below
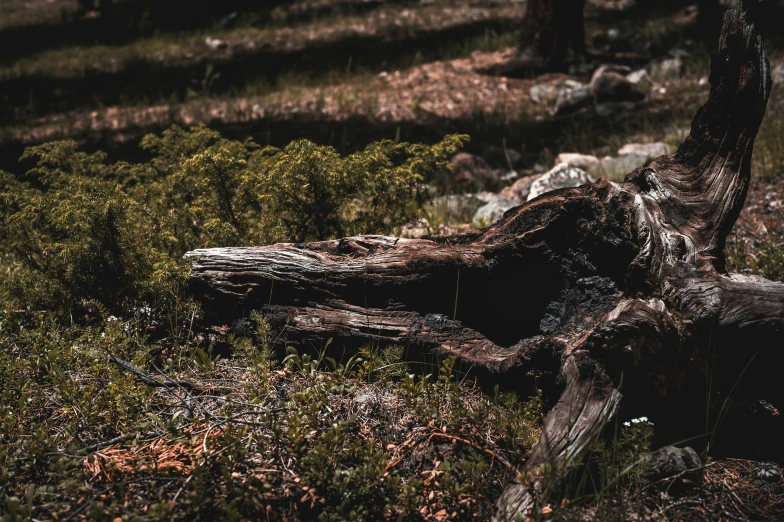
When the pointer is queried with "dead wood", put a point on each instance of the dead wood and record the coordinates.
(608, 293)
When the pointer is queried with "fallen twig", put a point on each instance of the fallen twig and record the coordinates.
(99, 445)
(468, 442)
(152, 381)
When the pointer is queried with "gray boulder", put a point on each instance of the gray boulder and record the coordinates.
(572, 98)
(609, 83)
(564, 97)
(668, 69)
(493, 210)
(573, 159)
(669, 462)
(543, 94)
(520, 189)
(616, 169)
(472, 173)
(641, 80)
(561, 176)
(457, 208)
(649, 150)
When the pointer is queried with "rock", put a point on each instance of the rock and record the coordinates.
(543, 94)
(457, 208)
(572, 99)
(607, 109)
(567, 96)
(679, 53)
(649, 150)
(214, 43)
(668, 69)
(670, 462)
(609, 84)
(493, 210)
(472, 173)
(616, 169)
(242, 328)
(641, 80)
(573, 159)
(561, 176)
(520, 189)
(778, 73)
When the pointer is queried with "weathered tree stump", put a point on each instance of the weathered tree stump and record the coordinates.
(609, 292)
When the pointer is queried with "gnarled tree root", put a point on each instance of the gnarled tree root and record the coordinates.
(607, 292)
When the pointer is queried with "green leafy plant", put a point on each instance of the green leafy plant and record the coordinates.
(77, 228)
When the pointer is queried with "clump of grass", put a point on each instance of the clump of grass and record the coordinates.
(611, 483)
(769, 146)
(768, 262)
(314, 438)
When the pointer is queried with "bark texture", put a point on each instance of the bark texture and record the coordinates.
(607, 293)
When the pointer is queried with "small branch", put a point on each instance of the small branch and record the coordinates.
(493, 454)
(103, 444)
(86, 504)
(152, 381)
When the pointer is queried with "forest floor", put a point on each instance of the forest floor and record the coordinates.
(307, 437)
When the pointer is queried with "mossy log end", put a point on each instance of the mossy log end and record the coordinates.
(605, 292)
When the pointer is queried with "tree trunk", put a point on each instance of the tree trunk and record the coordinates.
(550, 29)
(608, 293)
(708, 18)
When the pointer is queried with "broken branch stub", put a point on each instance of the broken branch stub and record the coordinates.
(606, 293)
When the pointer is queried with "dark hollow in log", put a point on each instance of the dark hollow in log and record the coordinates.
(614, 293)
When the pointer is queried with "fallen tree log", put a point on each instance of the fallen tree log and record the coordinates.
(608, 293)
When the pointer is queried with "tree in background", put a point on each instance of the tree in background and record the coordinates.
(709, 17)
(552, 28)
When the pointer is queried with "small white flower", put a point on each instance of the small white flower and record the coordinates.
(627, 424)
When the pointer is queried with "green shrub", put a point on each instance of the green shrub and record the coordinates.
(314, 193)
(77, 228)
(71, 234)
